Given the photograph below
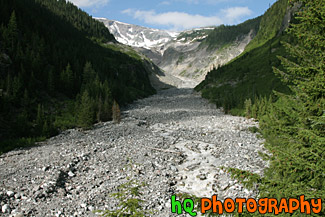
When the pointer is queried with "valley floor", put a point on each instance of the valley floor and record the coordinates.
(174, 141)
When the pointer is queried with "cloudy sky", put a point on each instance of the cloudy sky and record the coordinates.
(176, 14)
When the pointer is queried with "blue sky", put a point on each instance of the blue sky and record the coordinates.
(176, 14)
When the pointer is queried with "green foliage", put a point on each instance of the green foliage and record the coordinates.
(80, 19)
(259, 108)
(248, 179)
(270, 25)
(180, 59)
(67, 78)
(11, 33)
(292, 122)
(129, 197)
(223, 35)
(294, 126)
(248, 107)
(116, 112)
(129, 204)
(11, 144)
(251, 74)
(86, 111)
(253, 129)
(50, 53)
(248, 77)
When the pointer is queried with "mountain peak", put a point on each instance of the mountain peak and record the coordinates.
(138, 36)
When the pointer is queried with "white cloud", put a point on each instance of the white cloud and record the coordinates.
(89, 3)
(180, 20)
(232, 15)
(173, 20)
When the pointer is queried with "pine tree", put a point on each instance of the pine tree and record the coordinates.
(108, 102)
(295, 124)
(99, 109)
(88, 74)
(46, 129)
(248, 108)
(106, 114)
(11, 35)
(86, 111)
(40, 116)
(116, 112)
(67, 79)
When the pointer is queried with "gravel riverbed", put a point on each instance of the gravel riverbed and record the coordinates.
(174, 141)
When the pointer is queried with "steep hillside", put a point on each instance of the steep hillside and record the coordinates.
(57, 70)
(224, 35)
(274, 21)
(251, 74)
(188, 54)
(193, 57)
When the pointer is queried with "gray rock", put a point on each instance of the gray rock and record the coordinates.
(5, 208)
(10, 193)
(202, 177)
(18, 196)
(71, 174)
(110, 154)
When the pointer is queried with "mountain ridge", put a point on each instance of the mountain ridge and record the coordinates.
(124, 33)
(189, 54)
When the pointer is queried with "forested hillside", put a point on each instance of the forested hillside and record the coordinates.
(57, 72)
(250, 75)
(224, 35)
(292, 118)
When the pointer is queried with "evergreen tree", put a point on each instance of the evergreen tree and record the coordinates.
(11, 34)
(88, 74)
(40, 116)
(46, 131)
(295, 125)
(86, 111)
(44, 45)
(106, 113)
(116, 112)
(67, 79)
(16, 85)
(99, 109)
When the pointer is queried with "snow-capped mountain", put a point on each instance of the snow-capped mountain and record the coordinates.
(191, 53)
(138, 36)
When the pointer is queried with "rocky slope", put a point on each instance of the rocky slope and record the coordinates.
(174, 141)
(184, 54)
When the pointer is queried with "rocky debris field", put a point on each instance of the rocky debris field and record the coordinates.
(174, 141)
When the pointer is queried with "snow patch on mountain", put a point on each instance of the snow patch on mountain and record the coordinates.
(138, 36)
(185, 55)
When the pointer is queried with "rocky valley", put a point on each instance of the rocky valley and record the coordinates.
(188, 54)
(101, 115)
(174, 141)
